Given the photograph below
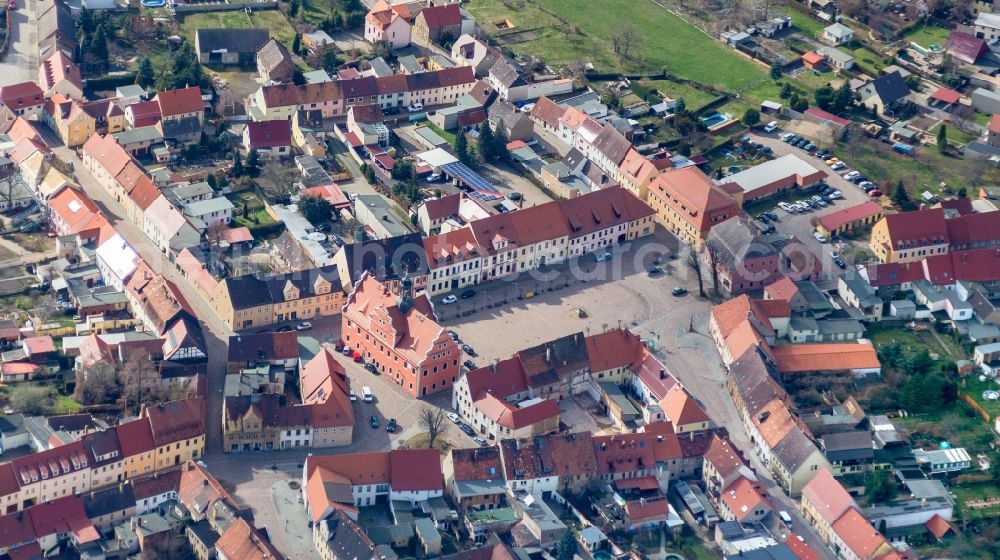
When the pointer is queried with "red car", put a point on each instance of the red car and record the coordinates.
(875, 193)
(358, 358)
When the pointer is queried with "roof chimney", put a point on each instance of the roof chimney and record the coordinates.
(663, 373)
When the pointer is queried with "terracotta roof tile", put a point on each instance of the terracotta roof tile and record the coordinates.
(859, 535)
(796, 358)
(180, 101)
(827, 496)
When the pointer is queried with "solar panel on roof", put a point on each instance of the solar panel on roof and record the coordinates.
(474, 180)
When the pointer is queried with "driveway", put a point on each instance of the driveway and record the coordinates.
(20, 63)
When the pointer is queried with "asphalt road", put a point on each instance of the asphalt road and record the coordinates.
(20, 63)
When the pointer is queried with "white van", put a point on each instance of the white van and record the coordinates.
(351, 394)
(366, 394)
(785, 517)
(771, 127)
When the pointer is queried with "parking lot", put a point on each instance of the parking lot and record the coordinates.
(802, 225)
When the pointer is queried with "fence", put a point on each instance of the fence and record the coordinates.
(975, 406)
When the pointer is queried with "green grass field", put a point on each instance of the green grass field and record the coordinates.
(272, 20)
(955, 136)
(927, 35)
(805, 24)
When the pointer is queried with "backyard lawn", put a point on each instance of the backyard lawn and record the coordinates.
(256, 215)
(805, 24)
(955, 136)
(927, 35)
(272, 20)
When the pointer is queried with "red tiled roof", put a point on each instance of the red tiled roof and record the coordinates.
(356, 468)
(180, 101)
(681, 408)
(237, 235)
(624, 453)
(547, 111)
(270, 134)
(946, 95)
(827, 116)
(965, 46)
(859, 535)
(800, 548)
(612, 349)
(825, 356)
(647, 510)
(515, 417)
(723, 457)
(939, 527)
(243, 542)
(22, 95)
(812, 58)
(135, 437)
(39, 344)
(437, 17)
(827, 496)
(924, 226)
(743, 497)
(415, 469)
(994, 125)
(782, 288)
(834, 220)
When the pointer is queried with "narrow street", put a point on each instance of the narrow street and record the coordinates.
(216, 333)
(20, 62)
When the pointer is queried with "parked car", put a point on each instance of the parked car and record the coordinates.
(433, 177)
(468, 350)
(391, 426)
(772, 216)
(875, 193)
(352, 395)
(824, 154)
(838, 166)
(786, 136)
(678, 291)
(449, 299)
(840, 262)
(466, 428)
(358, 358)
(415, 107)
(835, 195)
(515, 195)
(771, 127)
(347, 351)
(605, 256)
(655, 271)
(809, 147)
(481, 441)
(467, 294)
(374, 422)
(303, 326)
(819, 237)
(469, 364)
(866, 184)
(851, 175)
(453, 335)
(454, 417)
(371, 368)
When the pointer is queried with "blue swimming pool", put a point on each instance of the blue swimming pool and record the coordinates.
(602, 555)
(713, 119)
(154, 3)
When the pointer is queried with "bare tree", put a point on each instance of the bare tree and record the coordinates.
(214, 233)
(96, 384)
(137, 376)
(433, 420)
(625, 40)
(694, 263)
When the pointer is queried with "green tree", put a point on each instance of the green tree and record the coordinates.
(891, 354)
(462, 148)
(751, 117)
(962, 192)
(798, 103)
(186, 70)
(145, 76)
(402, 170)
(923, 393)
(680, 107)
(900, 197)
(315, 209)
(786, 91)
(879, 487)
(86, 21)
(995, 467)
(297, 43)
(253, 162)
(942, 138)
(98, 47)
(298, 78)
(500, 141)
(843, 98)
(919, 362)
(824, 98)
(567, 546)
(776, 70)
(237, 170)
(486, 143)
(293, 8)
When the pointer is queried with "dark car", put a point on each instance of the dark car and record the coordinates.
(374, 422)
(284, 328)
(467, 429)
(467, 294)
(655, 271)
(371, 367)
(840, 262)
(391, 426)
(468, 350)
(678, 291)
(469, 364)
(453, 335)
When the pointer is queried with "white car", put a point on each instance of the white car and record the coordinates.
(786, 207)
(786, 136)
(454, 417)
(450, 299)
(819, 237)
(415, 107)
(771, 127)
(838, 166)
(851, 175)
(353, 396)
(605, 256)
(303, 326)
